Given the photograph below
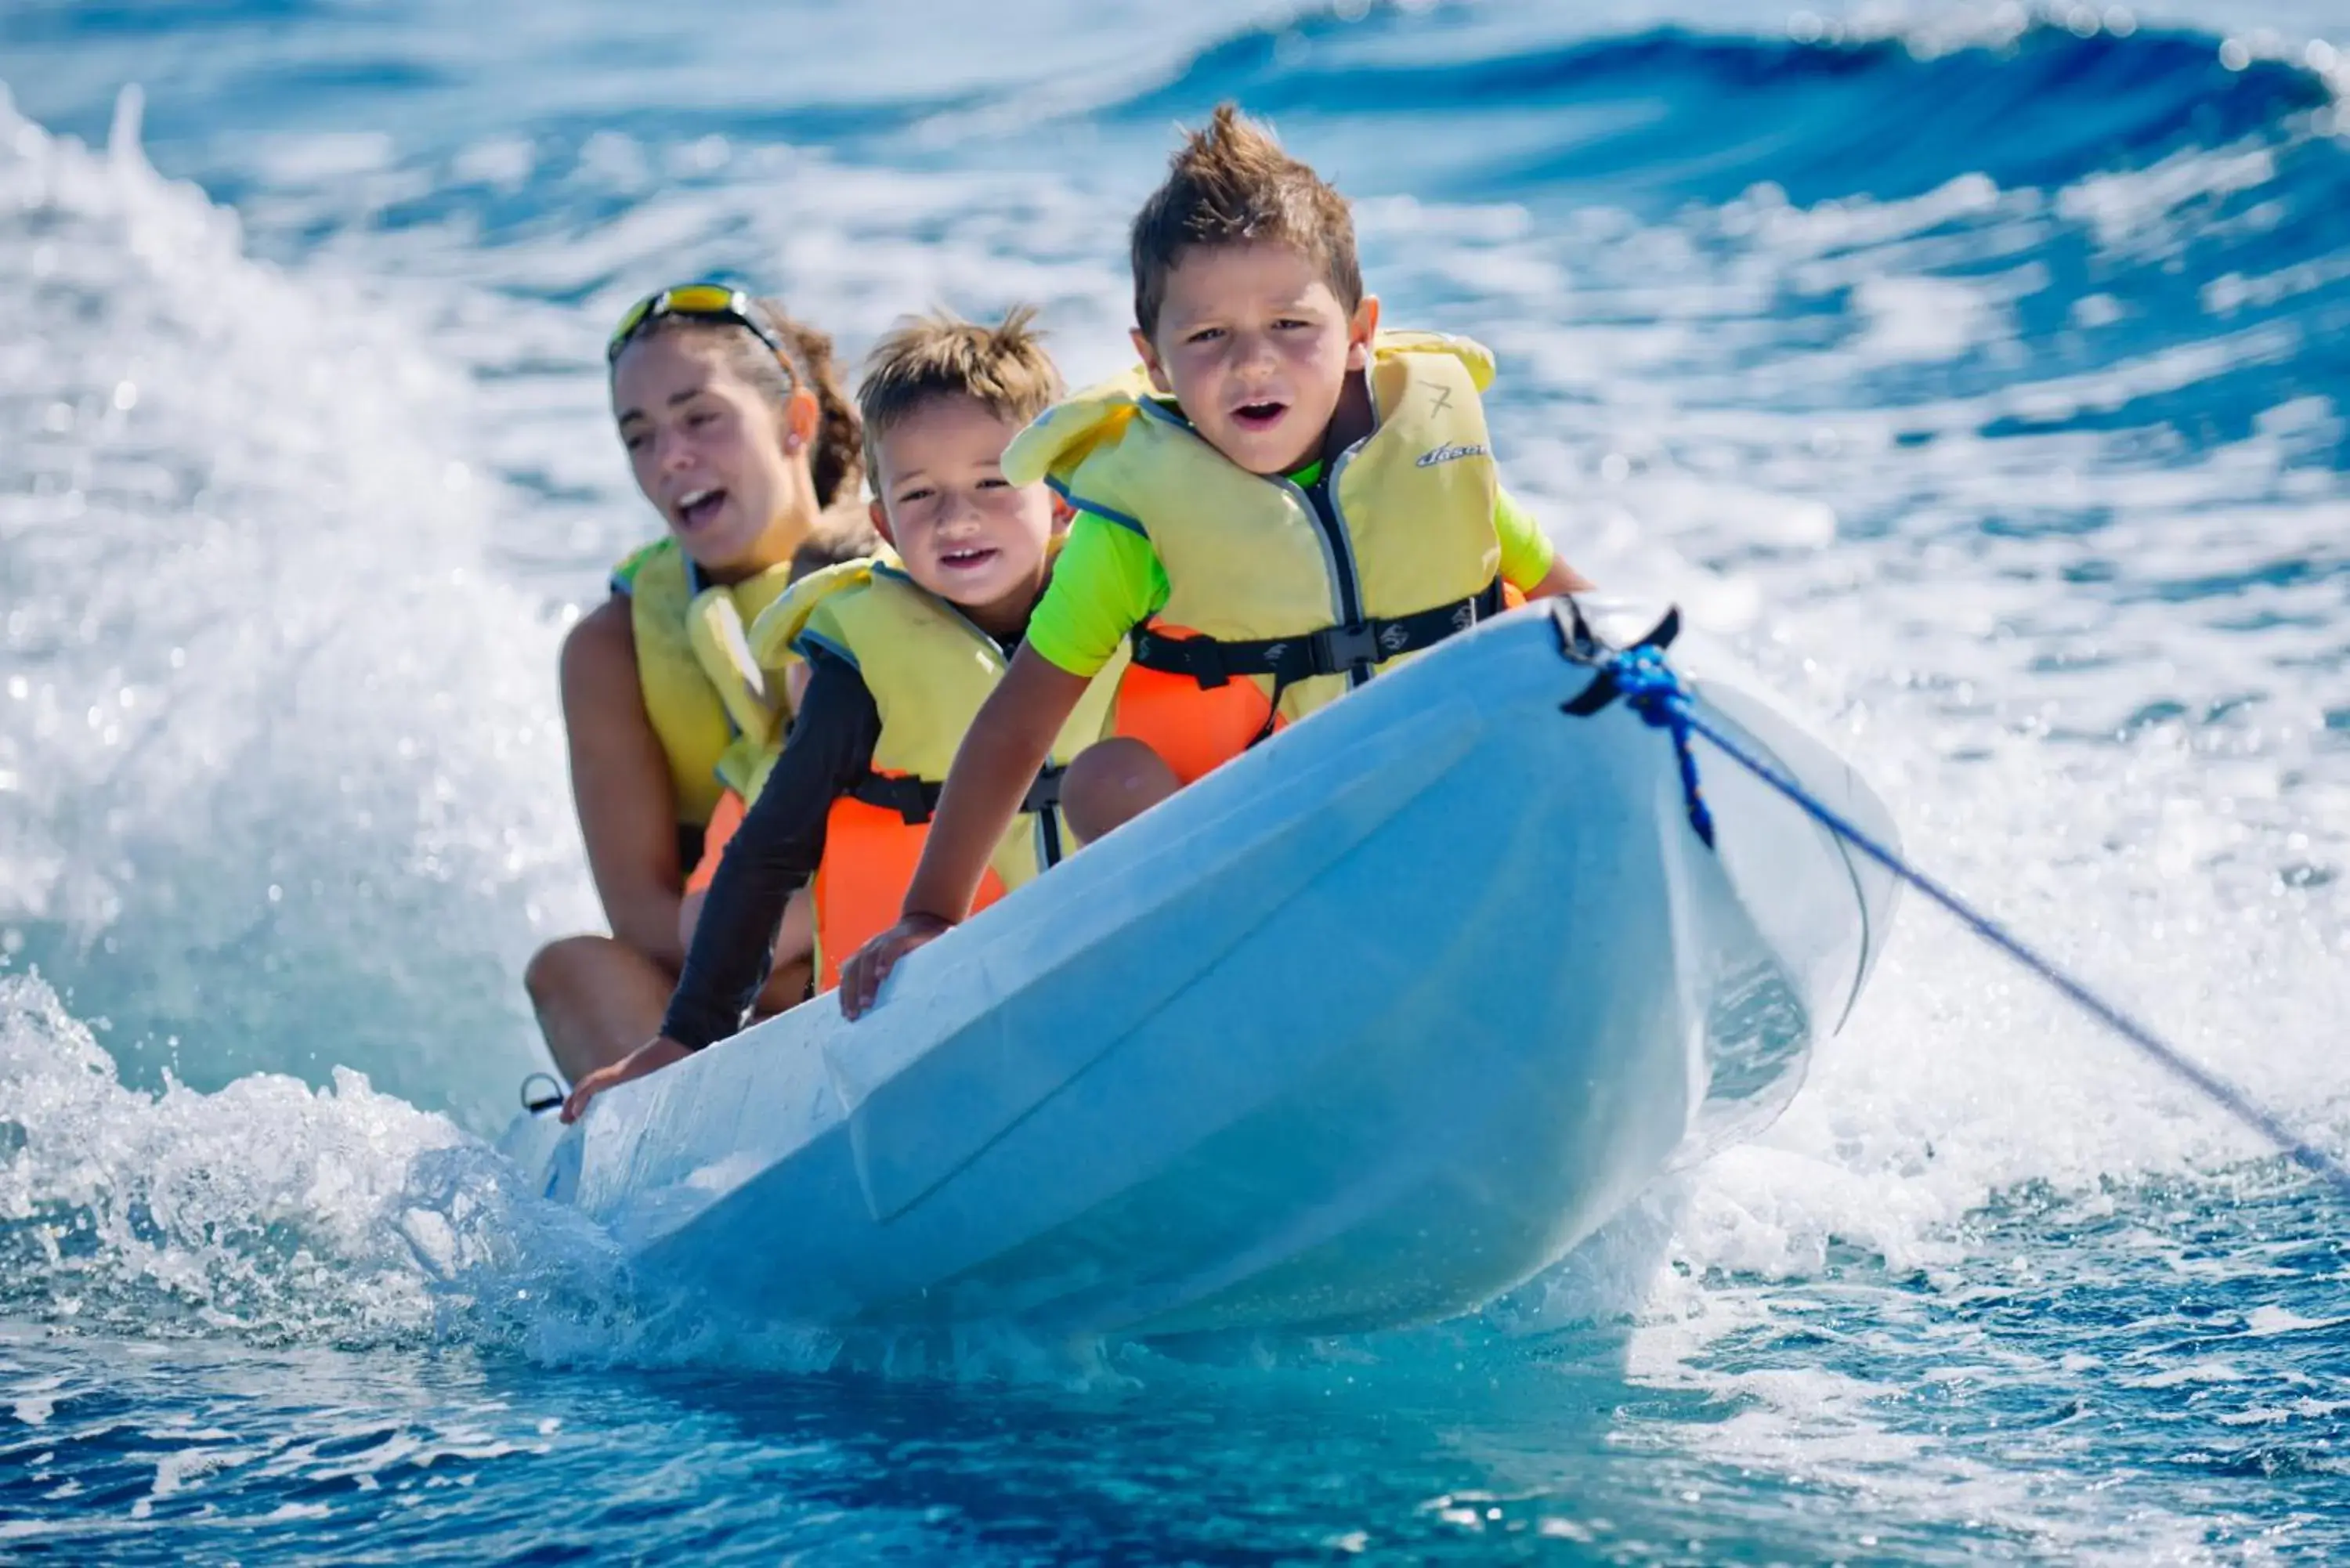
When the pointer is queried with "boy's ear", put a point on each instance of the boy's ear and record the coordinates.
(1149, 356)
(1062, 513)
(880, 516)
(1361, 330)
(801, 416)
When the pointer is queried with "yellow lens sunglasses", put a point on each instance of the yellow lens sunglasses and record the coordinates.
(701, 301)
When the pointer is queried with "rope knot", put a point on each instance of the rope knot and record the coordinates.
(1649, 686)
(1652, 690)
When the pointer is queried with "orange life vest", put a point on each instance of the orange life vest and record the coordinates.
(929, 669)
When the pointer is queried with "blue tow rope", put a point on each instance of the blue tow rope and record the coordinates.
(1650, 689)
(1654, 690)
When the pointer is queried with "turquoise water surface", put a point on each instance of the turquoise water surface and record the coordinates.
(1979, 372)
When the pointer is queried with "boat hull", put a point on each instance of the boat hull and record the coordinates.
(1368, 1027)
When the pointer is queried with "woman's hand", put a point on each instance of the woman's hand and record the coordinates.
(650, 1057)
(861, 976)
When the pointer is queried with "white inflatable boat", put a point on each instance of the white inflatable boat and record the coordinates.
(1370, 1025)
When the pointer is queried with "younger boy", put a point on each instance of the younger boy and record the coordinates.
(1278, 505)
(900, 653)
(836, 543)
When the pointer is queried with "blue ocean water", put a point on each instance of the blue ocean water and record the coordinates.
(1977, 371)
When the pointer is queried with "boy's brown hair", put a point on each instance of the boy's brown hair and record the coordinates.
(1004, 366)
(1231, 185)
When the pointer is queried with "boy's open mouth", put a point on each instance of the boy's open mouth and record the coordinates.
(965, 557)
(699, 506)
(1259, 416)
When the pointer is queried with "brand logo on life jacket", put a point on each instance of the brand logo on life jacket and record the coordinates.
(1392, 639)
(1451, 452)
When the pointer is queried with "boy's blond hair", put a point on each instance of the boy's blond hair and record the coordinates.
(1004, 367)
(1233, 184)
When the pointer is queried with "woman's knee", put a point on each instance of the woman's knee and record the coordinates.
(1111, 783)
(555, 969)
(586, 972)
(596, 998)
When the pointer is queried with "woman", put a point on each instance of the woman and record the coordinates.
(737, 433)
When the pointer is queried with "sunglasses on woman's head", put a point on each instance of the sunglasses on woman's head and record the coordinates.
(701, 302)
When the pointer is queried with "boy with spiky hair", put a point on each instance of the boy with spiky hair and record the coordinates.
(901, 651)
(1279, 502)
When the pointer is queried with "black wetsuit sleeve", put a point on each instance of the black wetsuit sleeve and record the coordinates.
(772, 854)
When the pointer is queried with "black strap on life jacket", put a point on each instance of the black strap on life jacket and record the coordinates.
(916, 800)
(1333, 650)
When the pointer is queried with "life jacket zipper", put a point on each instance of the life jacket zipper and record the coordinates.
(1338, 542)
(1049, 822)
(1339, 565)
(1350, 588)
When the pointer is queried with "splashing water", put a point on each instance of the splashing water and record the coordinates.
(357, 1220)
(248, 610)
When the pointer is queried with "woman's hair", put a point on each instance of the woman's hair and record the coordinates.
(842, 534)
(836, 464)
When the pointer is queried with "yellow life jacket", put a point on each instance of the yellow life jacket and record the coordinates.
(929, 669)
(714, 708)
(1272, 610)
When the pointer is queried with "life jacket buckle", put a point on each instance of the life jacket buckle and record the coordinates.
(1044, 795)
(1341, 647)
(1201, 658)
(915, 800)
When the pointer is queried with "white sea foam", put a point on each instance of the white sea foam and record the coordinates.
(267, 1210)
(1830, 498)
(280, 753)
